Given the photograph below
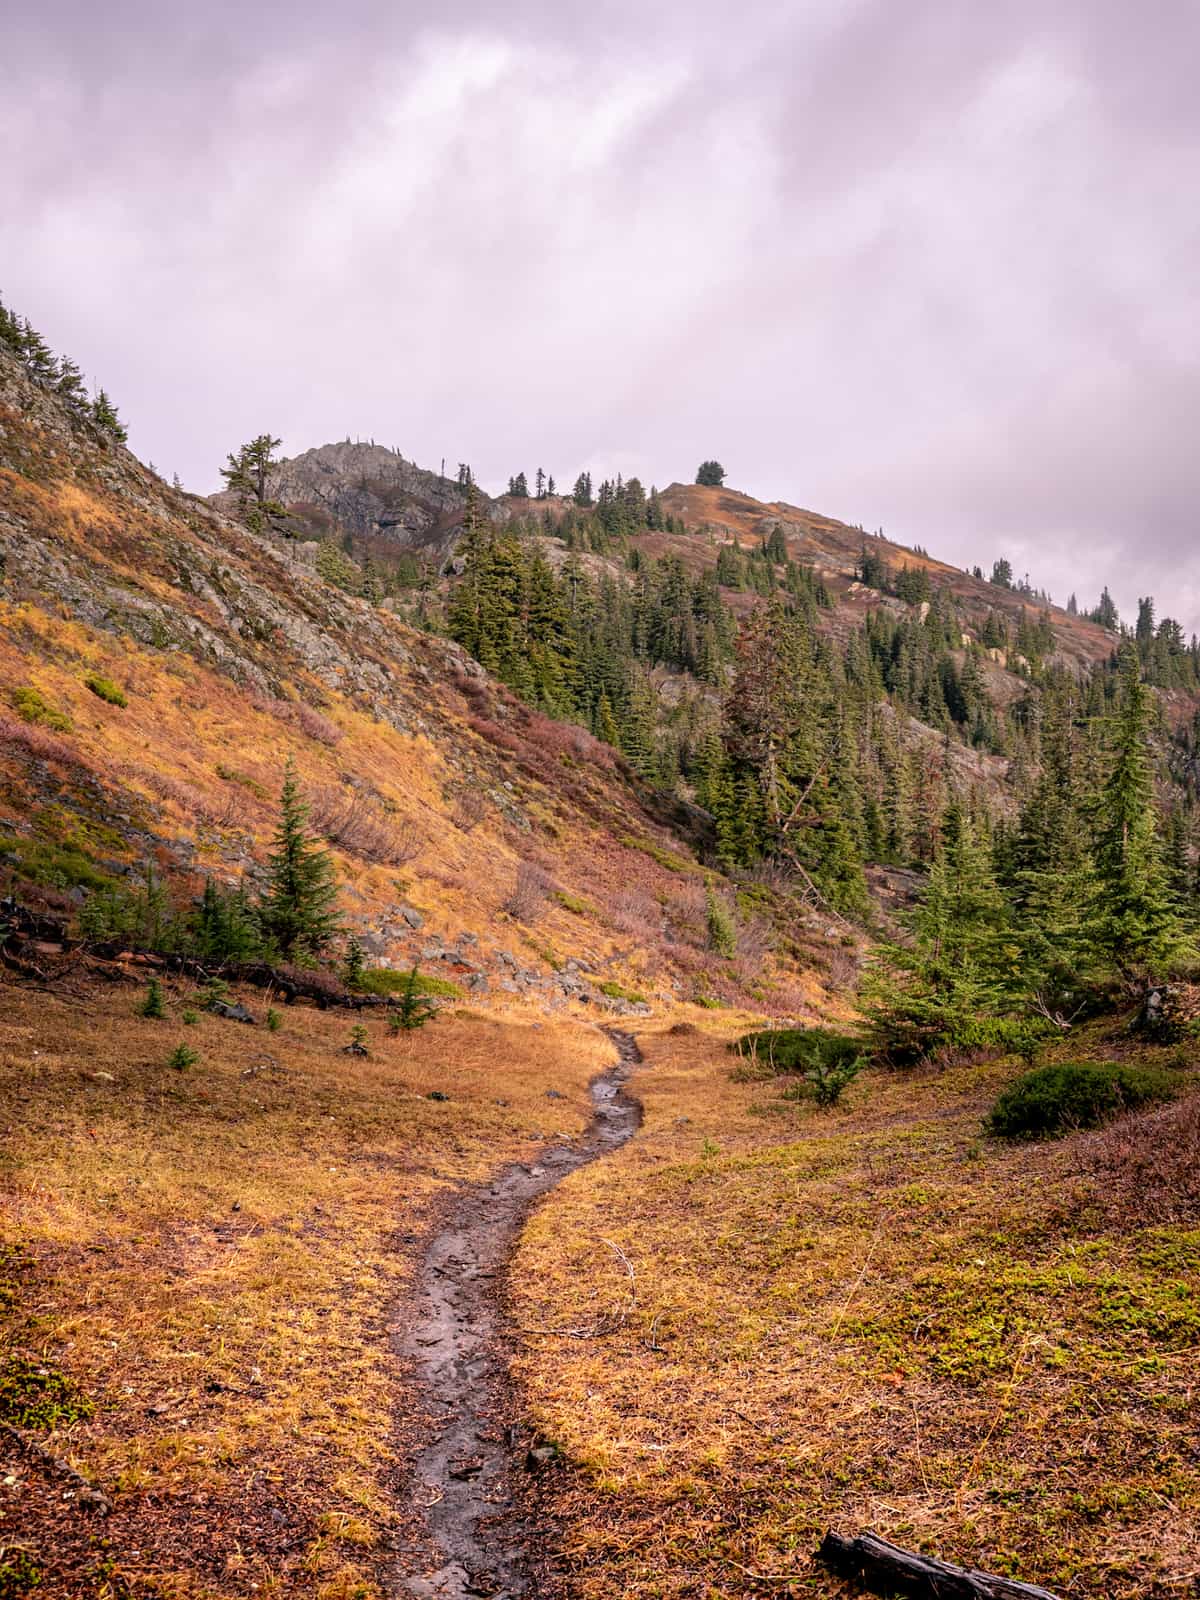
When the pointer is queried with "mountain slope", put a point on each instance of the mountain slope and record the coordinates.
(441, 792)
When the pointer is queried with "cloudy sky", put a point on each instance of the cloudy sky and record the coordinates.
(924, 264)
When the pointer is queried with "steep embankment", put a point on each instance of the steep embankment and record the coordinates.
(159, 663)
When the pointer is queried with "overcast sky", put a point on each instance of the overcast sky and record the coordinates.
(925, 264)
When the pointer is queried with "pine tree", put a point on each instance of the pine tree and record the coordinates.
(1138, 923)
(246, 472)
(297, 913)
(104, 415)
(711, 474)
(951, 977)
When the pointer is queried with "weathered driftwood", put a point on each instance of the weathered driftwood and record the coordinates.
(888, 1570)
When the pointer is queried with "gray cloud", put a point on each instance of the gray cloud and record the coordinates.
(931, 266)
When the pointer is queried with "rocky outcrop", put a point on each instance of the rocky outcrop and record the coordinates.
(373, 494)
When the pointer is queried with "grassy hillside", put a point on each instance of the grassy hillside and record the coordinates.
(158, 665)
(871, 1317)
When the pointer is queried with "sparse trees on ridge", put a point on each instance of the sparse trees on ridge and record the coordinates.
(246, 473)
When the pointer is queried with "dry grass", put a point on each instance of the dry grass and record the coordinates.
(213, 1258)
(862, 1318)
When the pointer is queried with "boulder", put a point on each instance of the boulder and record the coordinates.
(232, 1012)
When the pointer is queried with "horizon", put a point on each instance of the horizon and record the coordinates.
(922, 271)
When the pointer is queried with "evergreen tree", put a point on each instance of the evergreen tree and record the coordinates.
(104, 415)
(1138, 923)
(246, 472)
(710, 474)
(297, 913)
(951, 977)
(1002, 573)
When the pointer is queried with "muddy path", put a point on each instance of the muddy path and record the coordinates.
(464, 1480)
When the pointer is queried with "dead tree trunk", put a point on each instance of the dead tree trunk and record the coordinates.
(888, 1570)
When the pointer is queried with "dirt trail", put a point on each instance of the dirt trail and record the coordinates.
(464, 1480)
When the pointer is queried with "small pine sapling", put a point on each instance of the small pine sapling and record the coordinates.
(274, 1020)
(153, 1004)
(190, 1017)
(182, 1057)
(358, 1041)
(415, 1008)
(352, 969)
(722, 935)
(827, 1079)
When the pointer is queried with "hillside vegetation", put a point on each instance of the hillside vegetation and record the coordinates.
(339, 816)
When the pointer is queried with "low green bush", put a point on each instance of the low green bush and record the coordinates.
(800, 1049)
(617, 991)
(386, 981)
(32, 707)
(1074, 1094)
(105, 689)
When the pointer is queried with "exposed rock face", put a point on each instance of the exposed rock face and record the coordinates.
(372, 493)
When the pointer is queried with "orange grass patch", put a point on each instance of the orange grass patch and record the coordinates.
(868, 1317)
(211, 1258)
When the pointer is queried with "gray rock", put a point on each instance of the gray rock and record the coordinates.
(232, 1013)
(413, 917)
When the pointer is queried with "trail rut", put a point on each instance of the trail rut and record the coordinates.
(464, 1479)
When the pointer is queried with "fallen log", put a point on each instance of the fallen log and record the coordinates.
(888, 1570)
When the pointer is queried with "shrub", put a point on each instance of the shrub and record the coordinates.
(415, 1007)
(314, 725)
(105, 689)
(152, 1004)
(387, 981)
(529, 892)
(358, 1041)
(353, 968)
(190, 1017)
(722, 935)
(800, 1049)
(617, 991)
(825, 1080)
(574, 904)
(310, 721)
(30, 706)
(354, 824)
(827, 1061)
(469, 809)
(1074, 1094)
(37, 742)
(182, 1057)
(274, 1020)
